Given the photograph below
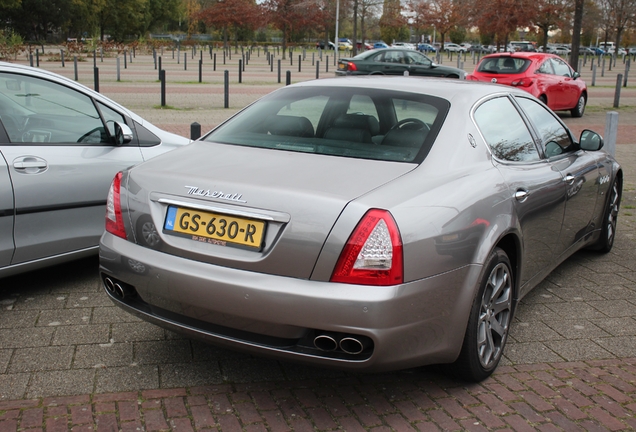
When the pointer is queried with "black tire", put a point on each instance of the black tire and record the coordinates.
(608, 232)
(489, 321)
(579, 109)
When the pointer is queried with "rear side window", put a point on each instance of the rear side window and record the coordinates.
(505, 131)
(361, 123)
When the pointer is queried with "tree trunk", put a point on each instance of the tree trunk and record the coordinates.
(284, 40)
(362, 35)
(576, 34)
(355, 27)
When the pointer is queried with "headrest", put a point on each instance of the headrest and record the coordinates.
(359, 121)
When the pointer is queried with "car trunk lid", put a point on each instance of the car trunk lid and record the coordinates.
(292, 198)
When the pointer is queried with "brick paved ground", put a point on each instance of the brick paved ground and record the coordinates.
(594, 395)
(70, 360)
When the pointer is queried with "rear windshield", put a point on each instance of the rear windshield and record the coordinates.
(349, 122)
(503, 65)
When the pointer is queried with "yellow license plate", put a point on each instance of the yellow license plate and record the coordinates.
(214, 228)
(341, 66)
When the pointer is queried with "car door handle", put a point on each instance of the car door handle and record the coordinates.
(521, 195)
(569, 179)
(30, 164)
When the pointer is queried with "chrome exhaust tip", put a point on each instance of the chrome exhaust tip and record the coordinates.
(119, 291)
(110, 285)
(325, 343)
(351, 345)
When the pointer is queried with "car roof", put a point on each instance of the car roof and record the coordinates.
(446, 88)
(522, 54)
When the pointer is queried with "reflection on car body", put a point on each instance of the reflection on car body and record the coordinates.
(402, 223)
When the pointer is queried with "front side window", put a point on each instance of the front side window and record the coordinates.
(561, 68)
(35, 110)
(555, 138)
(416, 58)
(505, 131)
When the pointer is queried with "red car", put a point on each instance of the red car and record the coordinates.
(546, 76)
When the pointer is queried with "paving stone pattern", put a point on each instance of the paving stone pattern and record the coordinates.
(70, 360)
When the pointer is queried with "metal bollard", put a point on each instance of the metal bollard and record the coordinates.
(278, 71)
(317, 69)
(62, 56)
(214, 62)
(162, 78)
(593, 74)
(185, 61)
(226, 89)
(75, 66)
(287, 78)
(96, 78)
(201, 70)
(118, 70)
(159, 73)
(617, 91)
(195, 131)
(299, 62)
(611, 132)
(240, 71)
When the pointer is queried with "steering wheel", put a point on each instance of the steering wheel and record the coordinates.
(411, 124)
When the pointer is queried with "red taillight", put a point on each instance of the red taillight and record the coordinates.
(526, 82)
(373, 253)
(114, 219)
(351, 66)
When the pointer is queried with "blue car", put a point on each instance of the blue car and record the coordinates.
(380, 45)
(424, 47)
(598, 51)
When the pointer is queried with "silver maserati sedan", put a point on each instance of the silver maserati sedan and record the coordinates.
(61, 143)
(366, 223)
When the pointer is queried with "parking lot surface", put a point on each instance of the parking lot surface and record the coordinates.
(70, 360)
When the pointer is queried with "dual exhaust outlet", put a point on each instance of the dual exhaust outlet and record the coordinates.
(331, 342)
(117, 289)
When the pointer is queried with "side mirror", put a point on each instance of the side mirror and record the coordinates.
(590, 141)
(122, 133)
(576, 75)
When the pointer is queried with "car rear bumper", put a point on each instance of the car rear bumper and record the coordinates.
(416, 323)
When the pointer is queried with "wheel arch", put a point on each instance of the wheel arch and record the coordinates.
(511, 245)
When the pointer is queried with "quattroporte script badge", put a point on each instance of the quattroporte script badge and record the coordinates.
(236, 197)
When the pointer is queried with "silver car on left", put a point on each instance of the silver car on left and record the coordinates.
(60, 145)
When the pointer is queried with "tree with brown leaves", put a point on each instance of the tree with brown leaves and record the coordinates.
(232, 15)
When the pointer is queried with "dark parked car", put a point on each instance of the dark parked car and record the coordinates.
(395, 61)
(546, 76)
(361, 223)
